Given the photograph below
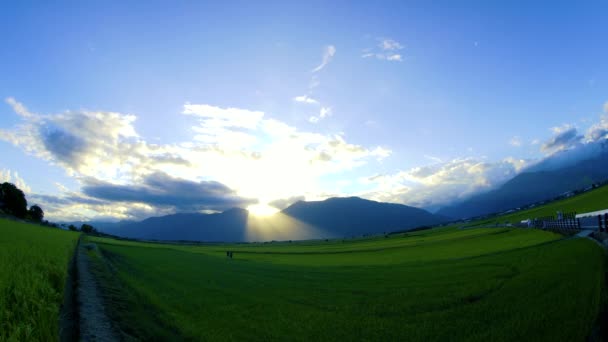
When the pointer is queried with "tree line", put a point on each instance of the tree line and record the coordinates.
(13, 202)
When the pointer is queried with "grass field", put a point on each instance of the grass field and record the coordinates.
(441, 284)
(593, 200)
(33, 268)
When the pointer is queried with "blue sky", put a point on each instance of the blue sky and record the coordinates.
(410, 102)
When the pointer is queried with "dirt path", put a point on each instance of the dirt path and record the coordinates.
(94, 324)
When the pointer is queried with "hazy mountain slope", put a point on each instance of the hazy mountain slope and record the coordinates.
(355, 216)
(227, 226)
(530, 187)
(335, 217)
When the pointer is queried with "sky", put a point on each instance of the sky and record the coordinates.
(116, 110)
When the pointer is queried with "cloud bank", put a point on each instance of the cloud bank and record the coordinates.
(564, 138)
(160, 189)
(442, 183)
(230, 157)
(237, 157)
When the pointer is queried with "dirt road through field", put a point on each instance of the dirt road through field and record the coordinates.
(94, 324)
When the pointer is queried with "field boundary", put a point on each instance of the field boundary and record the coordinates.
(417, 244)
(122, 305)
(372, 250)
(69, 329)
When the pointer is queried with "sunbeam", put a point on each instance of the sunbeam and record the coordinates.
(279, 226)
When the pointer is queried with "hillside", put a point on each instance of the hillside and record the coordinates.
(226, 226)
(353, 216)
(531, 187)
(593, 200)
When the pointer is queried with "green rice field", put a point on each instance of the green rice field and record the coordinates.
(441, 284)
(446, 283)
(33, 268)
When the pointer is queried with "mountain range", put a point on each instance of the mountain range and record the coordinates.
(352, 216)
(331, 218)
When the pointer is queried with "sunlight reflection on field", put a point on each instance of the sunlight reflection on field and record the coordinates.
(279, 226)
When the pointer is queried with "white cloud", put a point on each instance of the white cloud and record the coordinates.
(433, 158)
(216, 117)
(389, 45)
(330, 51)
(599, 130)
(442, 183)
(564, 138)
(247, 151)
(83, 142)
(394, 57)
(287, 161)
(18, 107)
(328, 54)
(306, 99)
(515, 141)
(13, 177)
(226, 127)
(386, 50)
(257, 156)
(73, 206)
(323, 113)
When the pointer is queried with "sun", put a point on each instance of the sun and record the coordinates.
(262, 210)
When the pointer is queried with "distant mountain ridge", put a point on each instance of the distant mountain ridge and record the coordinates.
(350, 216)
(225, 226)
(332, 218)
(532, 186)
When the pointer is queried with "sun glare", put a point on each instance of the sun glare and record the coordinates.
(262, 210)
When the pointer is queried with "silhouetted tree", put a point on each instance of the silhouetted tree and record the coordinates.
(87, 228)
(72, 228)
(36, 213)
(13, 200)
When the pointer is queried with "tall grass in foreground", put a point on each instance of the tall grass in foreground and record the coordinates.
(33, 269)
